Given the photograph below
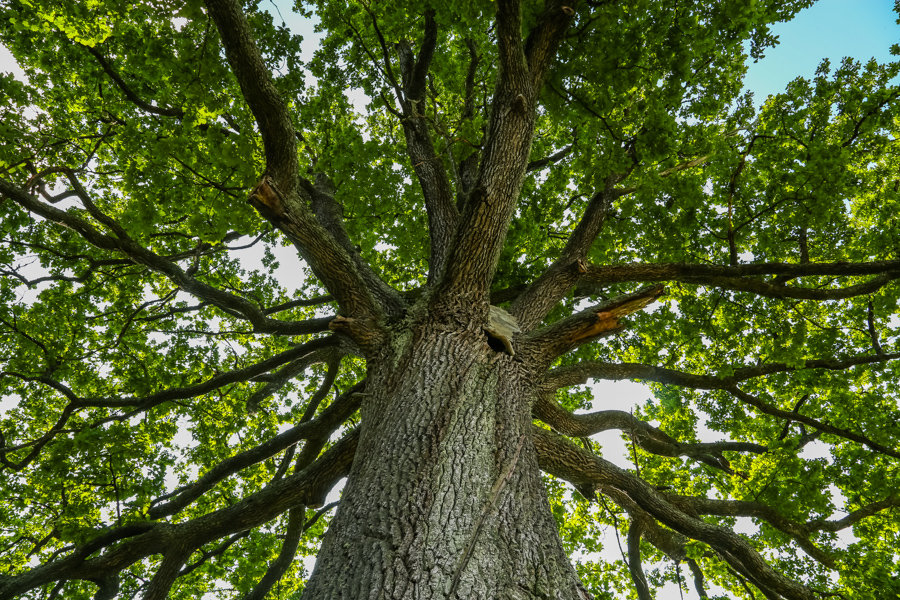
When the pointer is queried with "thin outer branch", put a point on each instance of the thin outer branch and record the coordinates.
(145, 539)
(825, 427)
(873, 333)
(163, 111)
(230, 303)
(536, 165)
(141, 404)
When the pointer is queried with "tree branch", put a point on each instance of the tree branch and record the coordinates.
(163, 111)
(544, 39)
(645, 435)
(634, 561)
(122, 243)
(539, 298)
(483, 224)
(583, 371)
(820, 425)
(283, 196)
(561, 458)
(322, 427)
(293, 533)
(547, 343)
(138, 541)
(736, 277)
(258, 89)
(443, 216)
(577, 374)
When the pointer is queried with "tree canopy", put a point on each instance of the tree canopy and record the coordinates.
(176, 407)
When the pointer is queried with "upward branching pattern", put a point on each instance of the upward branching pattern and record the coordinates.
(177, 406)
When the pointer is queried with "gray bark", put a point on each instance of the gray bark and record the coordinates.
(445, 499)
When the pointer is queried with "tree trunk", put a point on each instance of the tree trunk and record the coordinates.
(445, 498)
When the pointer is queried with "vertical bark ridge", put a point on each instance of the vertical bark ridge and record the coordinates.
(445, 492)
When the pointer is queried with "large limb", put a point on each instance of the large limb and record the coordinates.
(576, 374)
(283, 196)
(800, 532)
(533, 304)
(657, 442)
(314, 431)
(581, 372)
(649, 438)
(522, 67)
(121, 243)
(549, 342)
(561, 458)
(136, 405)
(748, 277)
(443, 216)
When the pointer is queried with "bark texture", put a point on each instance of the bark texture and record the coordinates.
(445, 498)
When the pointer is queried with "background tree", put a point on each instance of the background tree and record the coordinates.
(528, 179)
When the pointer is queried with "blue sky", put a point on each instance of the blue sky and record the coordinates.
(831, 28)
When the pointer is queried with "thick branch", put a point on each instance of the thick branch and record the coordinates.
(144, 403)
(561, 458)
(737, 277)
(544, 39)
(588, 325)
(428, 166)
(328, 212)
(634, 561)
(282, 196)
(539, 298)
(319, 428)
(292, 536)
(645, 435)
(580, 373)
(577, 374)
(174, 558)
(485, 219)
(270, 111)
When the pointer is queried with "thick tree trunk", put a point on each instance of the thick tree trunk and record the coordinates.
(445, 498)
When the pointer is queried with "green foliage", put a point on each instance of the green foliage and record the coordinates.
(640, 87)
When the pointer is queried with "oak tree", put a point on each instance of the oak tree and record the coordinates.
(535, 196)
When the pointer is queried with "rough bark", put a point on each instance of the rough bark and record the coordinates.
(445, 498)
